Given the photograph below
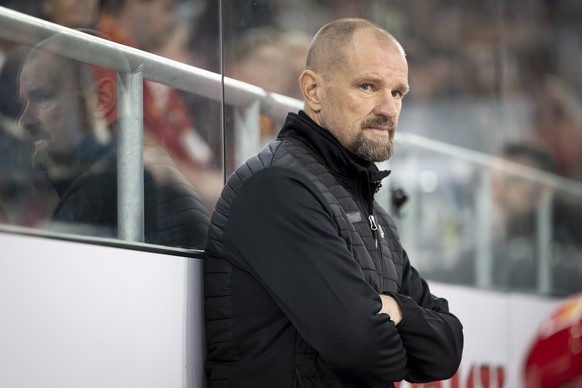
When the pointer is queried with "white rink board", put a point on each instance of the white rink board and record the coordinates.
(79, 315)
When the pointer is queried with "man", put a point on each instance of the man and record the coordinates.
(69, 117)
(144, 24)
(259, 57)
(306, 283)
(71, 13)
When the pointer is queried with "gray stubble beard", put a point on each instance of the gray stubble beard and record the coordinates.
(371, 150)
(374, 151)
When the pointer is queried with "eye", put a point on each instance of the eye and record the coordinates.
(42, 98)
(397, 93)
(366, 87)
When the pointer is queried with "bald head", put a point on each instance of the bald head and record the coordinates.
(332, 42)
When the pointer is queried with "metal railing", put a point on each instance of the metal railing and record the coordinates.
(484, 210)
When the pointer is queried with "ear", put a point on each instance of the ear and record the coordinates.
(311, 83)
(107, 98)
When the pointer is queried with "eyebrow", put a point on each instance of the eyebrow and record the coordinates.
(405, 88)
(369, 78)
(373, 79)
(33, 92)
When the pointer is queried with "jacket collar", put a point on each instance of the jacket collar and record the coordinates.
(328, 149)
(83, 158)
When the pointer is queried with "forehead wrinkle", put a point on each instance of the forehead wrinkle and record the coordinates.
(48, 69)
(385, 69)
(331, 51)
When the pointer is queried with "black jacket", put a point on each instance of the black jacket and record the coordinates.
(174, 214)
(293, 273)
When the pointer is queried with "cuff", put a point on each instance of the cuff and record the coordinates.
(408, 307)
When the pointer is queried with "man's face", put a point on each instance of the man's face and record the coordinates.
(516, 195)
(154, 23)
(72, 13)
(51, 111)
(265, 67)
(361, 100)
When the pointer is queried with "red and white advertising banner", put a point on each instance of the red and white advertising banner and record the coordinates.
(499, 329)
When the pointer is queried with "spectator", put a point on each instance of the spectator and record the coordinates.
(515, 255)
(259, 57)
(71, 13)
(557, 124)
(237, 17)
(147, 25)
(297, 46)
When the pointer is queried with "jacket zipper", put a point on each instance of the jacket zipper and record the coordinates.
(366, 202)
(374, 228)
(373, 225)
(365, 199)
(377, 233)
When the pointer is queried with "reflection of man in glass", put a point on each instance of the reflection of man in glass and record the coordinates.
(70, 116)
(56, 114)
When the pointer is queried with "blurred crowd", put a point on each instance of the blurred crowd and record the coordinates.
(504, 51)
(499, 72)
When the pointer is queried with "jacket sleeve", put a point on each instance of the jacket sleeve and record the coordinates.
(432, 336)
(282, 232)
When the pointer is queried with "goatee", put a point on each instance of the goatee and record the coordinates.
(374, 150)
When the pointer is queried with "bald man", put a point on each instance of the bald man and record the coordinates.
(306, 283)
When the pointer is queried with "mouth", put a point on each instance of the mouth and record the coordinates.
(39, 139)
(380, 125)
(384, 131)
(41, 143)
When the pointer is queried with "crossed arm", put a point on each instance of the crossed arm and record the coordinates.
(305, 267)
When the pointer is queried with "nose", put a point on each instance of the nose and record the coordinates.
(388, 106)
(27, 120)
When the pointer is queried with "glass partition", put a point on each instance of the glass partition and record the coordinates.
(105, 141)
(486, 79)
(496, 222)
(484, 76)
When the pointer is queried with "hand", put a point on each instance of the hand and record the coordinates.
(392, 308)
